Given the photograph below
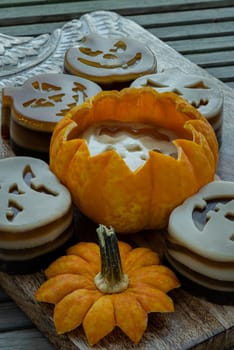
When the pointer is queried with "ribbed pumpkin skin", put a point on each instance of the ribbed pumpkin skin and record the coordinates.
(104, 188)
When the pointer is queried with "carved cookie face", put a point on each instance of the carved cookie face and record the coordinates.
(100, 57)
(30, 195)
(46, 98)
(199, 91)
(205, 222)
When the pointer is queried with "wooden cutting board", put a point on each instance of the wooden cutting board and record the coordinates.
(197, 323)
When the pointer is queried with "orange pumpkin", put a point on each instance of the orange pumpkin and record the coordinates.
(104, 187)
(117, 286)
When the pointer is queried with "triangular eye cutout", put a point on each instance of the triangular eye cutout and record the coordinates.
(49, 87)
(78, 87)
(198, 85)
(37, 85)
(155, 84)
(15, 189)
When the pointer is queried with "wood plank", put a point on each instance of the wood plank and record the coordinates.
(67, 10)
(202, 45)
(230, 84)
(196, 323)
(11, 317)
(196, 31)
(160, 5)
(30, 339)
(225, 73)
(214, 59)
(184, 17)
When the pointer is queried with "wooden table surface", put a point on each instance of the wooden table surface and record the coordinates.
(203, 33)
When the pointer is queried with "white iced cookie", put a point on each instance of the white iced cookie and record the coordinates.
(30, 112)
(200, 241)
(131, 141)
(199, 91)
(35, 209)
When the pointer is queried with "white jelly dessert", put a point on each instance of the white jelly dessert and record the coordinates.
(131, 141)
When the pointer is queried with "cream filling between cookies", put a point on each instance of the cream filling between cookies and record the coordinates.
(27, 138)
(207, 282)
(223, 271)
(31, 253)
(36, 237)
(131, 141)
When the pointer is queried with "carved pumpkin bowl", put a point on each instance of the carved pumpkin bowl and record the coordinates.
(130, 157)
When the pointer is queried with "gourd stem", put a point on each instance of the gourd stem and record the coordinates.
(111, 279)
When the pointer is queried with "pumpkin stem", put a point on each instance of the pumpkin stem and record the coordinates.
(111, 279)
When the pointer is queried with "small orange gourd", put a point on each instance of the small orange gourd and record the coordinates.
(104, 187)
(100, 289)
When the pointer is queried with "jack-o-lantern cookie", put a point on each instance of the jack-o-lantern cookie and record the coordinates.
(30, 112)
(199, 91)
(200, 241)
(36, 214)
(108, 61)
